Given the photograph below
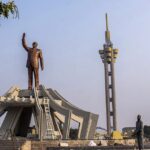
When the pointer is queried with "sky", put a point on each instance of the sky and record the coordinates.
(70, 33)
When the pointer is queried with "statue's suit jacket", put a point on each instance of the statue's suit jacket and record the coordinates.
(34, 55)
(33, 58)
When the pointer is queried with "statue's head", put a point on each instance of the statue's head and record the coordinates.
(139, 117)
(34, 44)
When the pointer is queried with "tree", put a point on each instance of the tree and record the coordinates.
(8, 8)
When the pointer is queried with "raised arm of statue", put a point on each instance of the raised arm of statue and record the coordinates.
(41, 60)
(24, 42)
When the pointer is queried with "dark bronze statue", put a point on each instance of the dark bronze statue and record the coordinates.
(34, 54)
(139, 132)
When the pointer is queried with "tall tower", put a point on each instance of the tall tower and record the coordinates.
(108, 56)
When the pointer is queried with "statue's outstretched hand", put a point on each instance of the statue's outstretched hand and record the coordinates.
(24, 34)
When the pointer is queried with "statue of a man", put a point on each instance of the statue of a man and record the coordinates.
(34, 54)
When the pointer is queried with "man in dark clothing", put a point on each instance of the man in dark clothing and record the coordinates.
(139, 132)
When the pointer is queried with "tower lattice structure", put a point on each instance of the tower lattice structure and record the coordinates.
(108, 56)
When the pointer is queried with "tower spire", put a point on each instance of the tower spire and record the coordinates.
(106, 22)
(107, 33)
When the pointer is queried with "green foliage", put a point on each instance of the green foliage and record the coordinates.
(8, 8)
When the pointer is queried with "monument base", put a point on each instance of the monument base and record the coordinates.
(51, 112)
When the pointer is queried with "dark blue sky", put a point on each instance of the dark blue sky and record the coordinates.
(70, 33)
